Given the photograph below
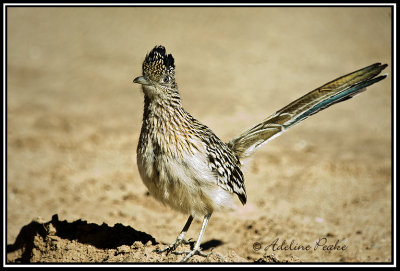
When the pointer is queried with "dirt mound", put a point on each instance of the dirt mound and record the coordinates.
(79, 241)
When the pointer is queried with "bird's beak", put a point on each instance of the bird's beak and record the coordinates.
(141, 80)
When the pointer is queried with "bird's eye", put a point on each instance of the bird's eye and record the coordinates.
(165, 80)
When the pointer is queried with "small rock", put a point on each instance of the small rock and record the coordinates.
(123, 249)
(149, 243)
(51, 230)
(137, 245)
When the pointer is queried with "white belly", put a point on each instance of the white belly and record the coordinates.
(185, 183)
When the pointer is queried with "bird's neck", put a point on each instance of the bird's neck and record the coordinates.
(165, 116)
(162, 109)
(168, 126)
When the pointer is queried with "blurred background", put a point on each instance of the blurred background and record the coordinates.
(74, 118)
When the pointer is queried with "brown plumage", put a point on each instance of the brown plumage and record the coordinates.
(186, 166)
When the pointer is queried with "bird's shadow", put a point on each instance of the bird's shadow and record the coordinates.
(213, 243)
(210, 244)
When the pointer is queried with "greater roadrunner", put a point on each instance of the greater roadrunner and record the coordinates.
(186, 166)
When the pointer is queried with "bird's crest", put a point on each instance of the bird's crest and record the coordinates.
(159, 65)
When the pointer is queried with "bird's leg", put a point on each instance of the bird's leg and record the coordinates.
(196, 250)
(179, 239)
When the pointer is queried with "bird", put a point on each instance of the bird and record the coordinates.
(186, 166)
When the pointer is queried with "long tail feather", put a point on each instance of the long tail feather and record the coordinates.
(338, 90)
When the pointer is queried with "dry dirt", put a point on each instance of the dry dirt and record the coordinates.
(73, 192)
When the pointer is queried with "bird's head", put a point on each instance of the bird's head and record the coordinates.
(158, 77)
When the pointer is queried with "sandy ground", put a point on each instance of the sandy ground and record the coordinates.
(73, 121)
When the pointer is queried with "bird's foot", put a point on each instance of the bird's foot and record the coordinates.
(196, 251)
(173, 246)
